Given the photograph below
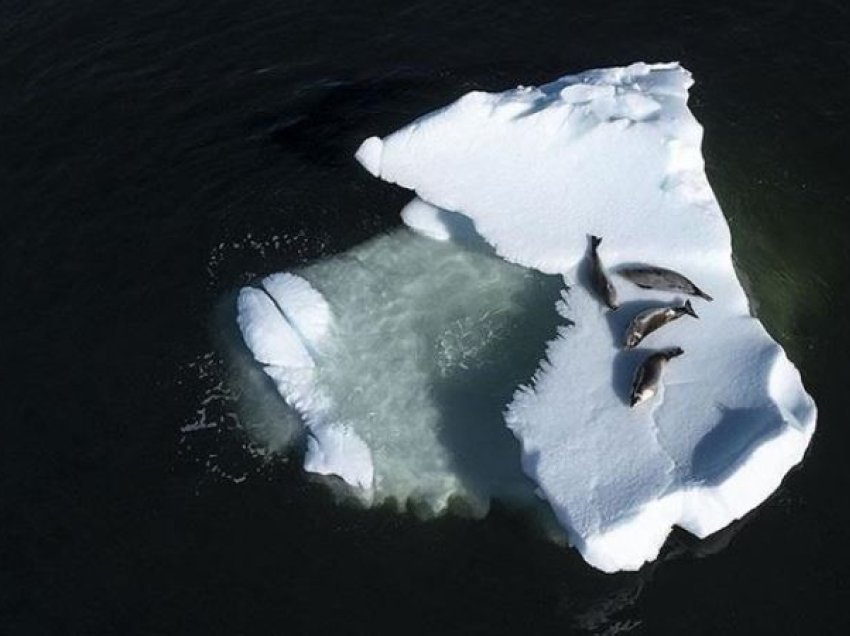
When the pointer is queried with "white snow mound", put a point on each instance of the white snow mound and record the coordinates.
(284, 324)
(614, 153)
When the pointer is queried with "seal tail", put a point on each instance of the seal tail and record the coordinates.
(595, 241)
(689, 309)
(673, 352)
(702, 294)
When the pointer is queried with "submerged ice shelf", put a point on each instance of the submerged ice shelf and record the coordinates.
(402, 396)
(526, 175)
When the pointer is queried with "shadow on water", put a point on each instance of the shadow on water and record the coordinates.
(604, 603)
(608, 610)
(683, 544)
(325, 124)
(325, 121)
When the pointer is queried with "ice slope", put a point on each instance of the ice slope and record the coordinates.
(616, 153)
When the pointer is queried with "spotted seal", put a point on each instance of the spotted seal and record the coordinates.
(602, 285)
(650, 320)
(651, 277)
(648, 375)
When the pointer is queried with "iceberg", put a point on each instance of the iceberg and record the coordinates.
(484, 328)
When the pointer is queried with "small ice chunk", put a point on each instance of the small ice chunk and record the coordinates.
(426, 219)
(267, 333)
(369, 155)
(335, 449)
(439, 224)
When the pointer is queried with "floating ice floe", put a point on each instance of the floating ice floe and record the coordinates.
(527, 175)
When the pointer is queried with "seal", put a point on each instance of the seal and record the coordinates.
(603, 287)
(650, 277)
(650, 320)
(648, 374)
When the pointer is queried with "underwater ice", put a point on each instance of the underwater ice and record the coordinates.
(412, 360)
(403, 396)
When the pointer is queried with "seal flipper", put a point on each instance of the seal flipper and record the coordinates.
(673, 352)
(702, 294)
(689, 309)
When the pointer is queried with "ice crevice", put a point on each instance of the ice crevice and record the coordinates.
(447, 362)
(659, 402)
(284, 322)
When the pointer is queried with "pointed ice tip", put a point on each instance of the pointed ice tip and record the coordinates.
(369, 155)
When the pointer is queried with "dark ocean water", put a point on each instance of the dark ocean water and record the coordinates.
(150, 153)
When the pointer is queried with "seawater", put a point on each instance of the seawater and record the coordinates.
(154, 157)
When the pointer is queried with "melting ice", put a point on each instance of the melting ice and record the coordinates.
(403, 388)
(411, 358)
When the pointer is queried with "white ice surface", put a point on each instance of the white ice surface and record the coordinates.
(615, 153)
(537, 174)
(258, 317)
(304, 307)
(284, 324)
(439, 224)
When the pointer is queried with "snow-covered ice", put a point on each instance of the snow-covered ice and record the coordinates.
(430, 367)
(615, 153)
